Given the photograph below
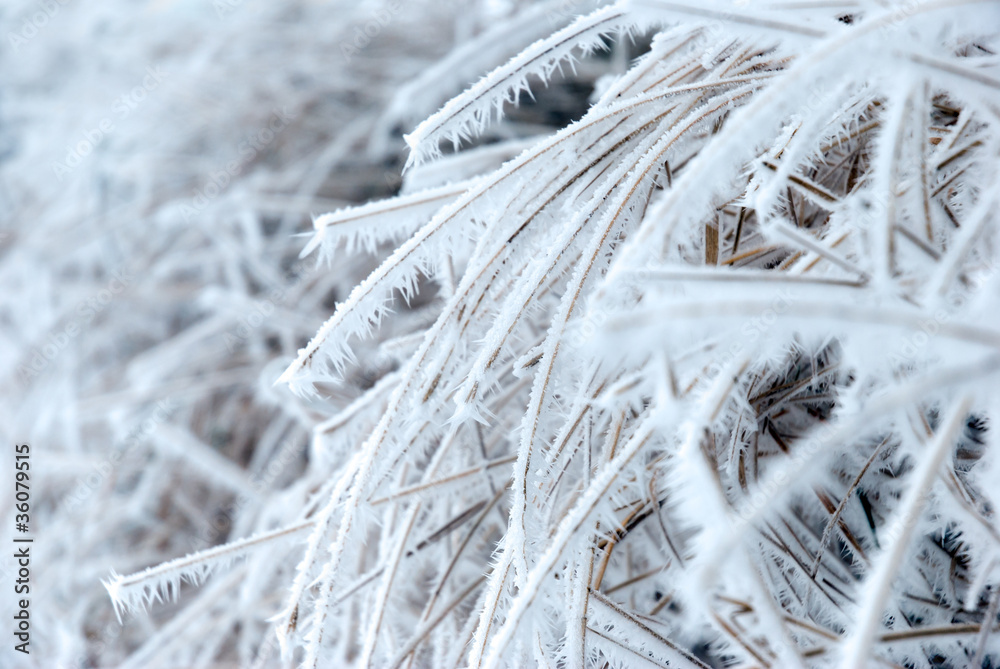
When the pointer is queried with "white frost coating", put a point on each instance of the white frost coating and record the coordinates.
(857, 647)
(139, 590)
(471, 112)
(367, 226)
(466, 63)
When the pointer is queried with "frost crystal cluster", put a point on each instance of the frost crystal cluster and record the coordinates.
(704, 378)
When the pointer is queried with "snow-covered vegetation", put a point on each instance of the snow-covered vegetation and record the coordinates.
(677, 346)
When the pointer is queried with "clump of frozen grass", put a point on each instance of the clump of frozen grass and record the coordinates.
(708, 377)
